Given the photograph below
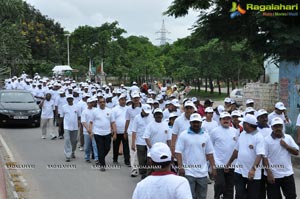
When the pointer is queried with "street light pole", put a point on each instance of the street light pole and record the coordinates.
(68, 48)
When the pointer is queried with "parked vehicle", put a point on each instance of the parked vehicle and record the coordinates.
(237, 95)
(18, 107)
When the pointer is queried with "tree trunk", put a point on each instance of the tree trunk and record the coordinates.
(228, 85)
(206, 84)
(198, 84)
(219, 86)
(211, 85)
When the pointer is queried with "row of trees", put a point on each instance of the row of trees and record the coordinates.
(219, 49)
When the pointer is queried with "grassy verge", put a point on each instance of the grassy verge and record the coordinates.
(202, 95)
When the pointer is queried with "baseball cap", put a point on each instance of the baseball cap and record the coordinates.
(147, 108)
(209, 110)
(236, 113)
(158, 110)
(61, 91)
(134, 83)
(122, 96)
(160, 152)
(194, 99)
(249, 110)
(276, 120)
(175, 102)
(280, 106)
(149, 101)
(220, 108)
(227, 100)
(224, 114)
(173, 114)
(251, 119)
(261, 112)
(89, 100)
(69, 96)
(135, 94)
(195, 117)
(249, 101)
(189, 103)
(86, 95)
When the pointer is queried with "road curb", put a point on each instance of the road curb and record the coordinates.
(13, 175)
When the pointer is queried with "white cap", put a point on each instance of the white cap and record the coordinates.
(160, 152)
(173, 114)
(89, 100)
(86, 95)
(276, 120)
(194, 99)
(134, 83)
(209, 110)
(123, 96)
(149, 101)
(122, 85)
(280, 106)
(236, 113)
(135, 94)
(109, 84)
(61, 91)
(175, 102)
(147, 108)
(251, 119)
(158, 110)
(195, 117)
(261, 112)
(189, 103)
(224, 114)
(69, 96)
(99, 95)
(227, 100)
(249, 109)
(249, 101)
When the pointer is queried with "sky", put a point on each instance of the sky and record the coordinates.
(137, 17)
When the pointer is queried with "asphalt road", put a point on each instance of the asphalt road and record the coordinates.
(46, 179)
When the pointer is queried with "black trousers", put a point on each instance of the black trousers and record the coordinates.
(142, 158)
(286, 184)
(103, 145)
(246, 189)
(60, 122)
(263, 185)
(224, 184)
(116, 145)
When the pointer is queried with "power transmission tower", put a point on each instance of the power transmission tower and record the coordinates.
(163, 34)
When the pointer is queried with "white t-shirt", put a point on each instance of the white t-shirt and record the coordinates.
(265, 131)
(249, 146)
(180, 124)
(82, 105)
(168, 186)
(119, 117)
(224, 141)
(194, 148)
(298, 120)
(60, 102)
(86, 117)
(157, 132)
(101, 121)
(279, 158)
(130, 115)
(47, 109)
(70, 115)
(166, 113)
(209, 126)
(139, 126)
(273, 115)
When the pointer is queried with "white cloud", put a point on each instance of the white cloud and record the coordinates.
(137, 17)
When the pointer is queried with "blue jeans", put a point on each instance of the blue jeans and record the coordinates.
(88, 145)
(198, 187)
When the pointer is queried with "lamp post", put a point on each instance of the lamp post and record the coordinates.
(68, 48)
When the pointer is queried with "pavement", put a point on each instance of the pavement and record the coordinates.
(45, 174)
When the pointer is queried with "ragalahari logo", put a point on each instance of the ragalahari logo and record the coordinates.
(236, 10)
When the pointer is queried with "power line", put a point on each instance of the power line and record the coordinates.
(163, 34)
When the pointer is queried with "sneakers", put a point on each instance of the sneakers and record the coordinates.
(127, 164)
(68, 160)
(61, 137)
(102, 168)
(53, 137)
(73, 155)
(97, 162)
(87, 161)
(134, 173)
(81, 148)
(43, 137)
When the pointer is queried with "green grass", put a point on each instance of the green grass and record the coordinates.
(202, 95)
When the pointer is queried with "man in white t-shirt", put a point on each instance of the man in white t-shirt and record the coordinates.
(209, 124)
(48, 106)
(193, 148)
(138, 142)
(60, 101)
(157, 130)
(224, 139)
(71, 118)
(279, 111)
(119, 117)
(277, 161)
(162, 183)
(102, 127)
(182, 123)
(89, 140)
(248, 151)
